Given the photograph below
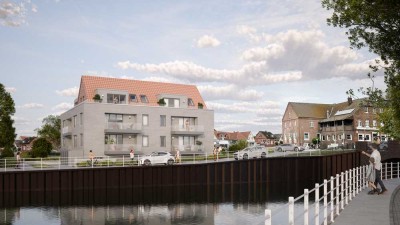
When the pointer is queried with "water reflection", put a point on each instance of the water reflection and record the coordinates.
(216, 204)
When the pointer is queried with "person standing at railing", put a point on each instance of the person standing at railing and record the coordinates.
(18, 158)
(371, 176)
(378, 166)
(178, 156)
(132, 155)
(91, 157)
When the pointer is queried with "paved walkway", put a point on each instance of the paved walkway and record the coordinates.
(367, 209)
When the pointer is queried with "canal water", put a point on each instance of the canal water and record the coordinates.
(220, 204)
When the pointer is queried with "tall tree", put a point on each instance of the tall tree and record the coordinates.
(51, 130)
(7, 109)
(375, 24)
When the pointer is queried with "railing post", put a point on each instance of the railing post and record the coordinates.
(385, 171)
(332, 197)
(391, 170)
(306, 206)
(316, 218)
(194, 158)
(108, 161)
(206, 162)
(398, 169)
(357, 181)
(291, 211)
(347, 187)
(268, 218)
(325, 202)
(337, 194)
(365, 182)
(23, 164)
(41, 163)
(59, 163)
(123, 160)
(342, 190)
(5, 165)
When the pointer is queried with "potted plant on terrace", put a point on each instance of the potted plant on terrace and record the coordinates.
(161, 102)
(97, 98)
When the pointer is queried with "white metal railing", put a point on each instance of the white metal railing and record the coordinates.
(66, 129)
(123, 126)
(121, 147)
(338, 191)
(188, 128)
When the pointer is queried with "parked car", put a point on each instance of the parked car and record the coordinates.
(383, 145)
(251, 152)
(289, 147)
(158, 158)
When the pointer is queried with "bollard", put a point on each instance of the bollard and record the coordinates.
(391, 170)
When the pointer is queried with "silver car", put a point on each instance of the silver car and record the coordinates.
(158, 158)
(289, 147)
(251, 152)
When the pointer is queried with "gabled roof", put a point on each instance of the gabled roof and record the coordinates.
(233, 136)
(89, 85)
(310, 110)
(266, 134)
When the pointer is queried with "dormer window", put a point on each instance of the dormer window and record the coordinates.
(143, 98)
(190, 102)
(132, 98)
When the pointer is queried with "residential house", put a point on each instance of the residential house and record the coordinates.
(265, 138)
(339, 124)
(233, 137)
(130, 114)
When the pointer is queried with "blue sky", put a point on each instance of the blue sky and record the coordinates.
(248, 58)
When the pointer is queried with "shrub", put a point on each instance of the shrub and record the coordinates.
(7, 152)
(41, 148)
(238, 146)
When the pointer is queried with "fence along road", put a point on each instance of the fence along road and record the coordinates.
(338, 204)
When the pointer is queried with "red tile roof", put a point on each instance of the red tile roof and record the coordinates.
(89, 85)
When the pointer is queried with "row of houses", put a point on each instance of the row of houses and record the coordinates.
(265, 138)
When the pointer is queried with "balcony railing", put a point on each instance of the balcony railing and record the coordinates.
(121, 127)
(188, 148)
(188, 129)
(120, 148)
(66, 130)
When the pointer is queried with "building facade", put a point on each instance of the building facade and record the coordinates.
(128, 114)
(265, 138)
(333, 124)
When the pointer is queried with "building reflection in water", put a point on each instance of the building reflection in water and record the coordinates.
(229, 204)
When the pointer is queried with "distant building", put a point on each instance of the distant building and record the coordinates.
(265, 138)
(130, 114)
(343, 123)
(235, 136)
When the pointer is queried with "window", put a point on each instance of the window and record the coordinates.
(113, 139)
(366, 109)
(163, 141)
(367, 123)
(334, 137)
(75, 141)
(145, 119)
(163, 120)
(359, 123)
(132, 98)
(81, 119)
(306, 136)
(145, 141)
(361, 137)
(190, 102)
(367, 137)
(81, 139)
(173, 102)
(143, 98)
(74, 121)
(348, 137)
(114, 117)
(323, 138)
(311, 123)
(374, 123)
(328, 137)
(116, 98)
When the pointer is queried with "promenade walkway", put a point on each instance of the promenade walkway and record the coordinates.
(367, 209)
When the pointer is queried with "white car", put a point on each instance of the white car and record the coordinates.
(157, 158)
(288, 147)
(251, 152)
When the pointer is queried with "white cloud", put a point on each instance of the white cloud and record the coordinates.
(12, 14)
(261, 109)
(207, 41)
(163, 79)
(253, 73)
(34, 9)
(69, 92)
(10, 89)
(232, 92)
(63, 106)
(21, 120)
(247, 30)
(31, 106)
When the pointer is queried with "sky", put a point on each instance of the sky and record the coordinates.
(248, 58)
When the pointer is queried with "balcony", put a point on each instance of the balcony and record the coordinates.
(120, 149)
(187, 130)
(122, 128)
(337, 128)
(188, 148)
(66, 131)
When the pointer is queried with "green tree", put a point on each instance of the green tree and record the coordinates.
(7, 152)
(51, 130)
(7, 109)
(241, 144)
(41, 147)
(375, 24)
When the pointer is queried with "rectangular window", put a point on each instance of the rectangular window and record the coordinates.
(190, 102)
(145, 120)
(116, 98)
(81, 119)
(114, 117)
(361, 137)
(81, 139)
(328, 137)
(75, 141)
(359, 123)
(74, 121)
(163, 141)
(113, 139)
(132, 98)
(366, 109)
(311, 123)
(374, 123)
(145, 141)
(143, 98)
(348, 137)
(367, 137)
(163, 120)
(367, 123)
(323, 138)
(334, 137)
(306, 136)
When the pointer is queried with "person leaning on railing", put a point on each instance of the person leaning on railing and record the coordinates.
(91, 157)
(378, 166)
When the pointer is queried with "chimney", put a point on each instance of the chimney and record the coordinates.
(349, 100)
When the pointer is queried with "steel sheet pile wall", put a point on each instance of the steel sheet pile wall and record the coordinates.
(92, 185)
